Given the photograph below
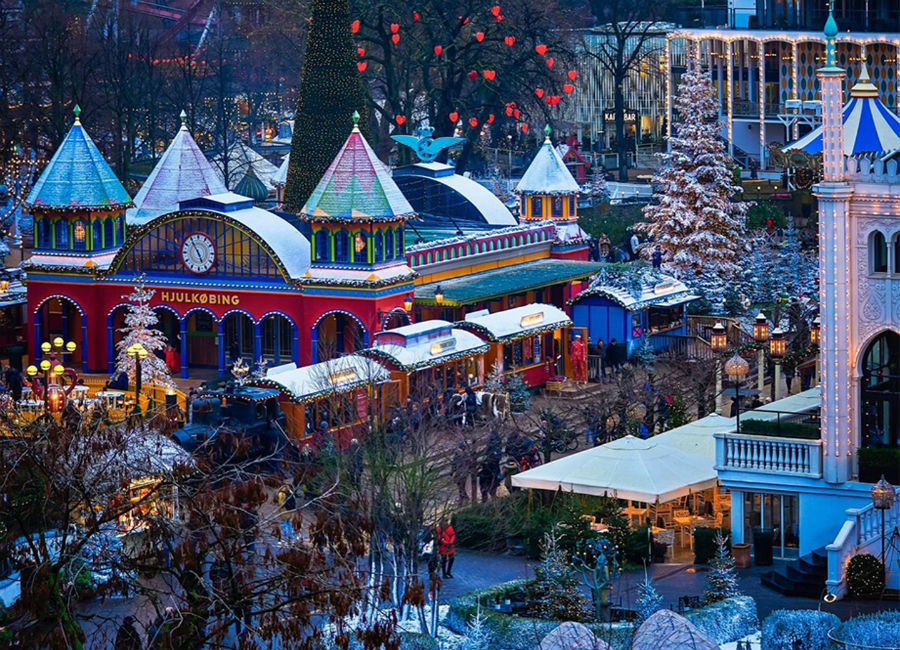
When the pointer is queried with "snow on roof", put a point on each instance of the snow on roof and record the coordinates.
(570, 233)
(425, 351)
(658, 290)
(485, 201)
(183, 172)
(98, 261)
(333, 376)
(516, 322)
(380, 274)
(547, 174)
(280, 177)
(77, 176)
(357, 185)
(240, 159)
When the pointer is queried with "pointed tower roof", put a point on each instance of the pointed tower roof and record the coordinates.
(357, 187)
(547, 173)
(250, 186)
(182, 173)
(279, 178)
(77, 177)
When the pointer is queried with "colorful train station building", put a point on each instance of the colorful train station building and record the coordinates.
(233, 279)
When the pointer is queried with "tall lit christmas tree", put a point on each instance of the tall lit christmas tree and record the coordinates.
(693, 218)
(330, 90)
(139, 328)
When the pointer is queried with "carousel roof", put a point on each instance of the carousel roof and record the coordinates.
(869, 126)
(77, 177)
(547, 173)
(357, 186)
(182, 173)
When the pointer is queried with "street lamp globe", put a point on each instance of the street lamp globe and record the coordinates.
(761, 328)
(737, 367)
(777, 343)
(70, 346)
(439, 295)
(883, 495)
(46, 347)
(31, 371)
(58, 370)
(408, 302)
(45, 365)
(718, 339)
(58, 342)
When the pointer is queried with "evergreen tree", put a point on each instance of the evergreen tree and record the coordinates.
(721, 582)
(599, 189)
(555, 592)
(791, 259)
(478, 634)
(330, 90)
(519, 392)
(139, 328)
(693, 218)
(648, 602)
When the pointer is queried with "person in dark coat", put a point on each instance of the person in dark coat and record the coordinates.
(14, 382)
(612, 356)
(128, 638)
(471, 406)
(488, 480)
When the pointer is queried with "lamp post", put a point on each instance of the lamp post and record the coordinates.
(718, 341)
(737, 368)
(139, 352)
(776, 351)
(408, 306)
(761, 336)
(883, 497)
(52, 367)
(815, 337)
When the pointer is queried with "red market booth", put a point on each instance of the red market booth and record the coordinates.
(428, 357)
(525, 339)
(340, 395)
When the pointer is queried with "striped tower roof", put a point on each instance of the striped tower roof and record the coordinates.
(77, 177)
(547, 173)
(357, 187)
(182, 173)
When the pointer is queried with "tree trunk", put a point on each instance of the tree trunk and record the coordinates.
(619, 108)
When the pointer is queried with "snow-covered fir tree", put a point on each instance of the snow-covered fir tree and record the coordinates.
(555, 592)
(791, 260)
(649, 601)
(140, 321)
(599, 189)
(478, 634)
(693, 217)
(722, 581)
(519, 392)
(759, 277)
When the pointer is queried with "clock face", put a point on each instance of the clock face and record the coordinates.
(198, 253)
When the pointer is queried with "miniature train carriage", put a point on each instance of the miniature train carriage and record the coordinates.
(430, 357)
(336, 397)
(528, 339)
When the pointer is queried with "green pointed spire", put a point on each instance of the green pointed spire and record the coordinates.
(547, 132)
(183, 116)
(356, 120)
(77, 111)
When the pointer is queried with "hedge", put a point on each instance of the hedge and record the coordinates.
(724, 621)
(881, 630)
(418, 641)
(877, 461)
(801, 430)
(797, 629)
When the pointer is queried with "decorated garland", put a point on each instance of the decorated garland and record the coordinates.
(384, 357)
(484, 332)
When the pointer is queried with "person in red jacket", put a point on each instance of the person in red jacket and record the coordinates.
(446, 547)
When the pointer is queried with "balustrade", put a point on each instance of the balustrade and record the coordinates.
(768, 454)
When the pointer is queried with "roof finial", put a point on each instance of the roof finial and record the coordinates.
(863, 86)
(831, 31)
(547, 131)
(183, 117)
(356, 121)
(77, 111)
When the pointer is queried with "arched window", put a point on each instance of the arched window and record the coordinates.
(536, 210)
(361, 247)
(321, 243)
(556, 207)
(341, 246)
(109, 235)
(897, 253)
(43, 232)
(878, 254)
(880, 397)
(379, 246)
(61, 234)
(389, 244)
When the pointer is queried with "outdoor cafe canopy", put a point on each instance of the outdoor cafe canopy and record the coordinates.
(628, 468)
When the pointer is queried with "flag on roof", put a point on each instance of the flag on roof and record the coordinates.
(547, 173)
(182, 173)
(869, 126)
(77, 177)
(357, 186)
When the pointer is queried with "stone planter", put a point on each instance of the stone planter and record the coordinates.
(741, 553)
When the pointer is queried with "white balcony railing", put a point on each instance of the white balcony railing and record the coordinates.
(768, 454)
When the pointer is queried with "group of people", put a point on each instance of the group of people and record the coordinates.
(605, 360)
(481, 471)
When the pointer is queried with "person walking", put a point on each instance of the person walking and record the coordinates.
(462, 467)
(286, 504)
(612, 357)
(128, 638)
(446, 547)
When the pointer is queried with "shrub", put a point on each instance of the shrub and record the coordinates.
(875, 462)
(418, 641)
(637, 547)
(797, 629)
(881, 630)
(704, 544)
(727, 620)
(759, 213)
(865, 576)
(476, 525)
(800, 430)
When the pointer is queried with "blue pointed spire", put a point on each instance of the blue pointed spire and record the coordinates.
(831, 30)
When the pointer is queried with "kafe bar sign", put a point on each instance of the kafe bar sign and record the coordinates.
(199, 298)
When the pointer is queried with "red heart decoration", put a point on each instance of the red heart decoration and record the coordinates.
(438, 49)
(495, 10)
(454, 116)
(400, 119)
(555, 99)
(361, 65)
(510, 40)
(354, 26)
(509, 111)
(466, 21)
(416, 15)
(395, 38)
(539, 92)
(360, 51)
(549, 61)
(525, 127)
(473, 121)
(568, 88)
(472, 75)
(540, 49)
(479, 36)
(499, 18)
(549, 99)
(489, 74)
(395, 28)
(490, 118)
(572, 74)
(516, 113)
